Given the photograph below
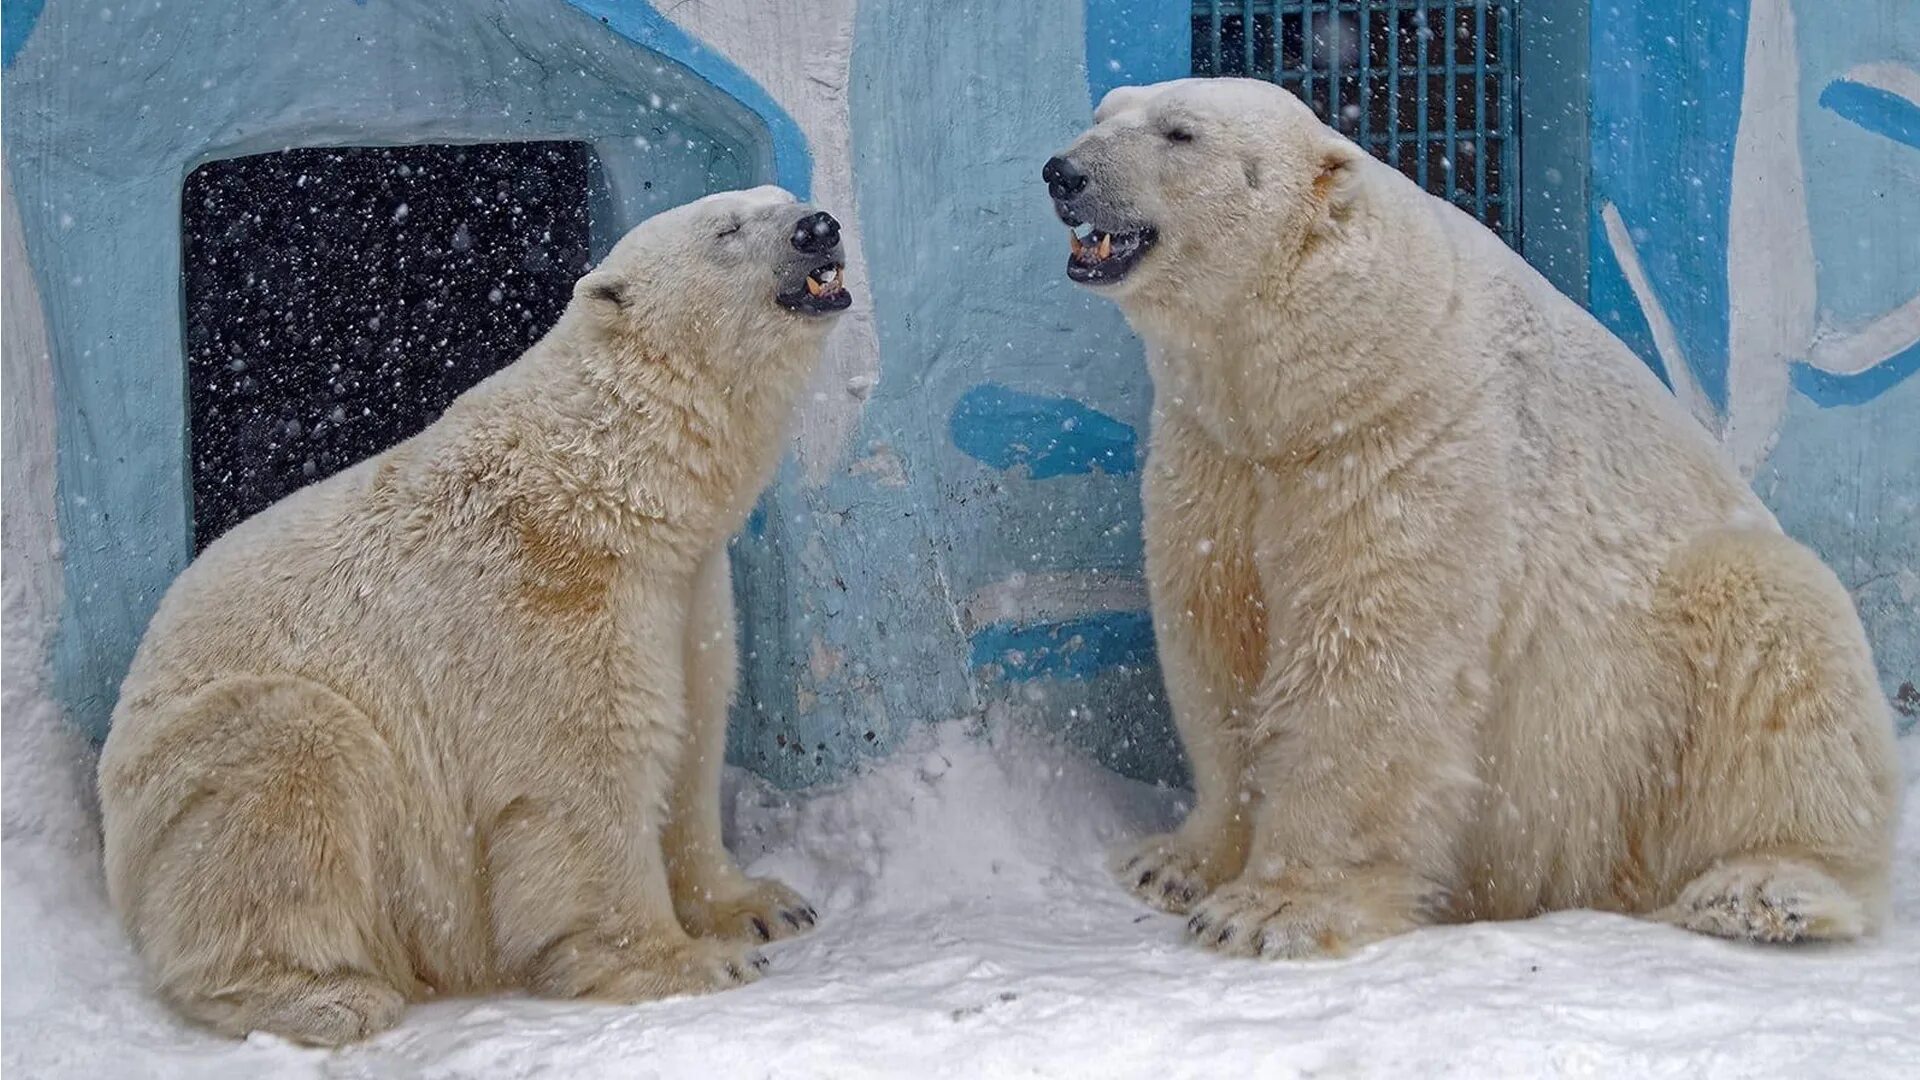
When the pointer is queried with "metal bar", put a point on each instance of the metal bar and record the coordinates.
(1307, 52)
(1363, 131)
(1452, 69)
(1480, 109)
(1393, 82)
(1574, 279)
(1213, 43)
(1246, 37)
(1422, 21)
(1333, 63)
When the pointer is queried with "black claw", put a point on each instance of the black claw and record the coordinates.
(760, 927)
(1225, 933)
(1130, 864)
(1146, 879)
(810, 916)
(759, 962)
(791, 919)
(734, 972)
(1196, 925)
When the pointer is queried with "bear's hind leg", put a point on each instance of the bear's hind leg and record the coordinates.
(319, 1010)
(244, 858)
(1774, 898)
(581, 909)
(1783, 790)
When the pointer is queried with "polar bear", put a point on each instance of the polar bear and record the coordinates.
(1461, 616)
(453, 719)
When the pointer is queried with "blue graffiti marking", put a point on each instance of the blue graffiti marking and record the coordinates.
(1879, 111)
(1826, 389)
(1622, 313)
(19, 17)
(1074, 649)
(1051, 436)
(642, 25)
(1887, 114)
(1641, 146)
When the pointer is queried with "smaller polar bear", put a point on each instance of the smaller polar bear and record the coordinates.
(453, 720)
(1461, 615)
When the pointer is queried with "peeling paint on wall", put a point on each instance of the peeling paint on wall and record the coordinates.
(1076, 649)
(800, 51)
(98, 156)
(1045, 436)
(19, 18)
(1753, 243)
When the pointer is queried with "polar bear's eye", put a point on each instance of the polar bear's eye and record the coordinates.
(1179, 134)
(728, 231)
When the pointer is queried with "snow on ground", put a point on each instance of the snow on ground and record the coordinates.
(969, 930)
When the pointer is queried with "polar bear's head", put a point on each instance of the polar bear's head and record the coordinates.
(735, 267)
(1194, 187)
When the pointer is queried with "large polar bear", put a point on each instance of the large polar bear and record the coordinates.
(453, 719)
(1461, 615)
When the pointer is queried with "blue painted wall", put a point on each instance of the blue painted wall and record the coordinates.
(107, 110)
(990, 508)
(978, 549)
(1673, 86)
(1130, 42)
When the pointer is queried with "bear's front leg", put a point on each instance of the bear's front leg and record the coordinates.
(711, 895)
(578, 912)
(578, 917)
(1364, 793)
(1363, 736)
(580, 900)
(1209, 629)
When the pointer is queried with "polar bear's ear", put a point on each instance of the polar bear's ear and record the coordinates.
(1118, 100)
(603, 293)
(1337, 184)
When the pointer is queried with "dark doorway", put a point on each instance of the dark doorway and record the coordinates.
(337, 300)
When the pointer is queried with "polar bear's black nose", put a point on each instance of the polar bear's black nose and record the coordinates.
(816, 233)
(1064, 178)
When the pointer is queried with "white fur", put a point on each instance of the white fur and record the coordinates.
(453, 719)
(1461, 615)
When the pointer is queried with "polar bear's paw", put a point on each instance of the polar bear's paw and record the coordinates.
(627, 971)
(1768, 899)
(1171, 871)
(751, 910)
(318, 1010)
(1295, 920)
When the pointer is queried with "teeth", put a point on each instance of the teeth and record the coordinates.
(1106, 246)
(1073, 241)
(829, 276)
(814, 288)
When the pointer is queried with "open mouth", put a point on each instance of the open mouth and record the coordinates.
(1101, 258)
(821, 292)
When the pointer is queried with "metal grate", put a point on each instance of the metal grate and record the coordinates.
(338, 299)
(1425, 85)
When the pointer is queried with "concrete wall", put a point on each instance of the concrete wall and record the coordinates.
(29, 536)
(978, 544)
(957, 530)
(108, 107)
(1756, 179)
